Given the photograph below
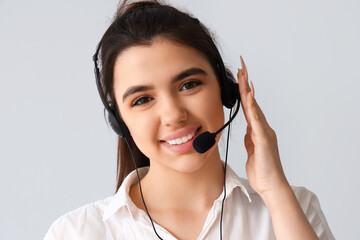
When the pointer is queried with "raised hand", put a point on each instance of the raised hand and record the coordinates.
(263, 166)
(264, 170)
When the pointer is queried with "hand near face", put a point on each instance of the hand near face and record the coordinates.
(263, 166)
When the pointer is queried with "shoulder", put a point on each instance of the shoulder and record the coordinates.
(305, 197)
(309, 203)
(82, 223)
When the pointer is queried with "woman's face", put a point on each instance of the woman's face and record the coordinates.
(166, 94)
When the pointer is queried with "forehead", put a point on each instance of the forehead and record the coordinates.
(151, 64)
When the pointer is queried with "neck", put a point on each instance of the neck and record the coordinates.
(166, 188)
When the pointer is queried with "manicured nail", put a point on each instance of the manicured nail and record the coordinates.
(252, 89)
(242, 62)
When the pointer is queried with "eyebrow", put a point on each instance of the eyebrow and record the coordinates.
(184, 74)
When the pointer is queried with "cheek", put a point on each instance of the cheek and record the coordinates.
(143, 130)
(138, 123)
(217, 114)
(212, 111)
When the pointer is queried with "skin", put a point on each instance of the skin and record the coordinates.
(172, 176)
(180, 188)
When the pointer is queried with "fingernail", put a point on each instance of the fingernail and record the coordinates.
(252, 89)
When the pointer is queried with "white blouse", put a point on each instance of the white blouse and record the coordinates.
(245, 216)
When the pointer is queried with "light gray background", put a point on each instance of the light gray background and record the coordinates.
(57, 153)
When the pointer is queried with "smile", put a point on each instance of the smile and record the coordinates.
(182, 139)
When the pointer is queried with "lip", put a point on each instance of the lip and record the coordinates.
(183, 147)
(180, 133)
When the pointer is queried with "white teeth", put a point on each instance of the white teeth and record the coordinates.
(182, 139)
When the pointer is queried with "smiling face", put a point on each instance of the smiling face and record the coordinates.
(167, 94)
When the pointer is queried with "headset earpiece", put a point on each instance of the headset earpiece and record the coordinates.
(118, 125)
(115, 121)
(229, 88)
(230, 93)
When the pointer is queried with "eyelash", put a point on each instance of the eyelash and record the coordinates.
(139, 99)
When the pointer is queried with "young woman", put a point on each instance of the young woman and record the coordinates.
(164, 84)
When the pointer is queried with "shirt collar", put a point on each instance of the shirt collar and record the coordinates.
(234, 181)
(122, 198)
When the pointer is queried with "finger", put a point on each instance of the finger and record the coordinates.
(243, 65)
(243, 87)
(256, 117)
(248, 129)
(243, 93)
(245, 73)
(253, 113)
(249, 145)
(252, 89)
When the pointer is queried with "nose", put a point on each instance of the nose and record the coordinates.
(172, 112)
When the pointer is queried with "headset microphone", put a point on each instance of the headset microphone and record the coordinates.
(206, 140)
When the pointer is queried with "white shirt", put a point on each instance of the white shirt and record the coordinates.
(245, 216)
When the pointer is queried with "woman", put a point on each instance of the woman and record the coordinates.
(164, 84)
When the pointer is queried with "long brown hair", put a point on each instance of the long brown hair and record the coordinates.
(138, 23)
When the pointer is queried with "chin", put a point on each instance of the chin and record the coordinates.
(191, 163)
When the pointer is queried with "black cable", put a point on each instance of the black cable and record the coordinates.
(223, 201)
(142, 197)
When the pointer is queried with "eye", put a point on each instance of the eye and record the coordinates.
(141, 101)
(189, 85)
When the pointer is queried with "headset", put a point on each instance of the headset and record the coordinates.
(230, 96)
